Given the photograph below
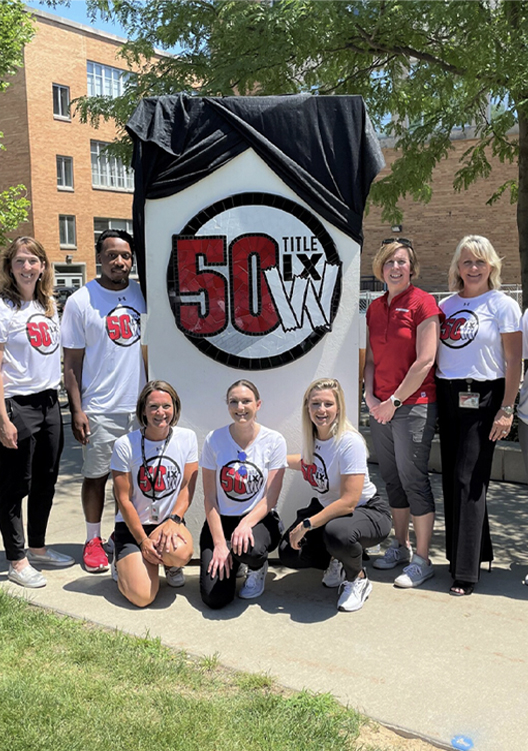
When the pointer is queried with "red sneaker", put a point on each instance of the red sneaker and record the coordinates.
(94, 556)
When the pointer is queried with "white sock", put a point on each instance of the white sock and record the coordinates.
(92, 530)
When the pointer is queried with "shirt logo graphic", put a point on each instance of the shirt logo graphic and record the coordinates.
(123, 325)
(316, 474)
(43, 333)
(241, 480)
(460, 329)
(167, 479)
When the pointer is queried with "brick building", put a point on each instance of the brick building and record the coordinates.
(75, 190)
(437, 227)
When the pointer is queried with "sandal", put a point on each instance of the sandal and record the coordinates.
(460, 588)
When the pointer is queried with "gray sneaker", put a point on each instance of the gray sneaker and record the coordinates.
(394, 555)
(353, 595)
(174, 576)
(415, 573)
(255, 583)
(334, 574)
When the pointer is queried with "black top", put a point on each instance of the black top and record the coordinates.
(323, 147)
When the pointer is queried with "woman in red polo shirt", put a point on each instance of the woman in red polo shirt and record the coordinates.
(403, 335)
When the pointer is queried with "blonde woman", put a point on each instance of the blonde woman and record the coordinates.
(478, 375)
(345, 514)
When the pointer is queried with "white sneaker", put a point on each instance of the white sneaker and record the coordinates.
(26, 577)
(353, 594)
(394, 555)
(255, 583)
(415, 573)
(334, 574)
(174, 576)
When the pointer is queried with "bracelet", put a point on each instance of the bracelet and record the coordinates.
(142, 541)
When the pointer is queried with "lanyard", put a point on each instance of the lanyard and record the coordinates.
(153, 477)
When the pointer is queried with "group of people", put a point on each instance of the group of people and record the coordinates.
(459, 361)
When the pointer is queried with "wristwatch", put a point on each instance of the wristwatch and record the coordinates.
(397, 402)
(174, 518)
(307, 524)
(509, 409)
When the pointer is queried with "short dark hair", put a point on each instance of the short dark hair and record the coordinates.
(121, 233)
(148, 389)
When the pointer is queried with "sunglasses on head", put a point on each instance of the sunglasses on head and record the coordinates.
(401, 240)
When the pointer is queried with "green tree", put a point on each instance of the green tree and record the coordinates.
(428, 67)
(15, 31)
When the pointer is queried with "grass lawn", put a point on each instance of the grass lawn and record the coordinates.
(69, 686)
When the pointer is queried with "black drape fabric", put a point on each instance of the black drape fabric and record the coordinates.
(322, 147)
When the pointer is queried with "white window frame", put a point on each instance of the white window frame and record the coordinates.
(62, 172)
(61, 98)
(103, 80)
(67, 231)
(109, 172)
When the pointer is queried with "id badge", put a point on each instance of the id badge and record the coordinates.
(468, 399)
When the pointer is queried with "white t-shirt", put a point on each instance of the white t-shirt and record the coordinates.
(107, 325)
(470, 336)
(522, 409)
(32, 357)
(127, 456)
(242, 474)
(332, 459)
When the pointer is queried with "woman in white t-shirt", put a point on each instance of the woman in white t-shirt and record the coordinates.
(154, 471)
(31, 435)
(243, 467)
(346, 514)
(478, 374)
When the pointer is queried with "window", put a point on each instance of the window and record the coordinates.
(65, 172)
(61, 101)
(105, 81)
(67, 232)
(109, 171)
(101, 223)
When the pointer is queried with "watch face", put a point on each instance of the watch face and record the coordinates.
(307, 524)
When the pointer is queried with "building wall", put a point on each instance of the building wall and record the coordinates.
(57, 55)
(437, 227)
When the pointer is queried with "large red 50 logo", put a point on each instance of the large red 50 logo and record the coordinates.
(254, 281)
(43, 333)
(123, 325)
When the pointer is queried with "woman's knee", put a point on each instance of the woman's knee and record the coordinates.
(141, 597)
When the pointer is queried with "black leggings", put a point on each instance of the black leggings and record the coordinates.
(343, 538)
(31, 469)
(218, 593)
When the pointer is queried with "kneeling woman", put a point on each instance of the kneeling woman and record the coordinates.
(243, 467)
(347, 514)
(154, 471)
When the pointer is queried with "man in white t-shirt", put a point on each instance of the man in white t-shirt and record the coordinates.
(104, 371)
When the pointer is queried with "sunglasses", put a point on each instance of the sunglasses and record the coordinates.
(401, 240)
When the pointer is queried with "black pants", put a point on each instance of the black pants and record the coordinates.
(467, 454)
(218, 593)
(343, 538)
(31, 469)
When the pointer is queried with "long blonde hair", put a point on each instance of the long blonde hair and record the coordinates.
(44, 287)
(481, 248)
(340, 424)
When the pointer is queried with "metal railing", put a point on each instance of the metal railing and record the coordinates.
(367, 296)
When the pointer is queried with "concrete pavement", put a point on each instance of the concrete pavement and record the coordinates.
(435, 666)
